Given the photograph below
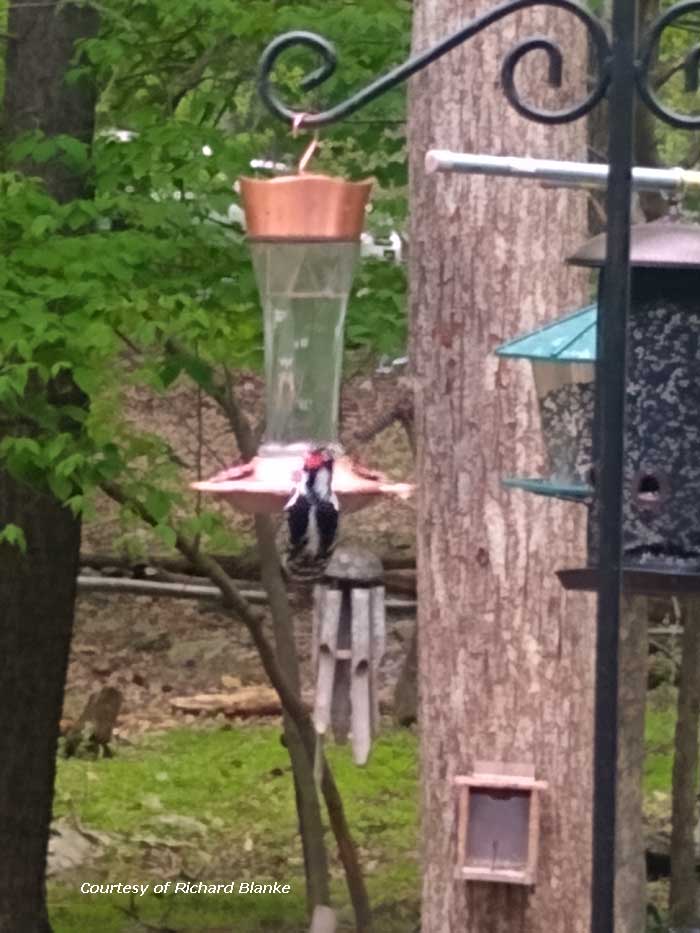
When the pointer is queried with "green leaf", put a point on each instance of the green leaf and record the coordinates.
(166, 535)
(41, 224)
(60, 486)
(158, 504)
(13, 534)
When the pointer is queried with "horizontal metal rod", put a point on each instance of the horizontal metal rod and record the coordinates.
(87, 583)
(579, 174)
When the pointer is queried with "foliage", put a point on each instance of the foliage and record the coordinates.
(222, 797)
(104, 294)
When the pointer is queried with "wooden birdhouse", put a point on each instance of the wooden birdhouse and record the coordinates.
(498, 823)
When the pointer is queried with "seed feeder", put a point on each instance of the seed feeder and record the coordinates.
(661, 493)
(562, 354)
(498, 823)
(304, 232)
(661, 499)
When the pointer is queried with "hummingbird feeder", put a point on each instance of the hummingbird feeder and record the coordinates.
(304, 232)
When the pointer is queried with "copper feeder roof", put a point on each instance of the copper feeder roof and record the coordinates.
(304, 207)
(662, 245)
(265, 484)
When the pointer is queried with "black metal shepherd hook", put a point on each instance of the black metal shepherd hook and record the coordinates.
(623, 70)
(596, 32)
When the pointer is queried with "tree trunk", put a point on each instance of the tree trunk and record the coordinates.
(37, 593)
(505, 655)
(683, 896)
(630, 877)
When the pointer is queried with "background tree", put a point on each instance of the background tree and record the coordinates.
(37, 587)
(505, 655)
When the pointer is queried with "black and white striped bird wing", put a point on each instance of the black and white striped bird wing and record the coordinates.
(327, 527)
(298, 511)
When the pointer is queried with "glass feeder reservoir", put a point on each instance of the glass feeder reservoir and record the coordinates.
(562, 355)
(304, 234)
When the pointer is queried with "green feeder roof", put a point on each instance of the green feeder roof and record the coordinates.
(569, 339)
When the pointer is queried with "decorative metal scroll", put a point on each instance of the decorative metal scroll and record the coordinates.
(594, 28)
(691, 67)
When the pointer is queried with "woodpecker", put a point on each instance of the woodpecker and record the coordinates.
(312, 518)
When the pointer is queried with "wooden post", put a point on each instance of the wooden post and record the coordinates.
(683, 897)
(630, 867)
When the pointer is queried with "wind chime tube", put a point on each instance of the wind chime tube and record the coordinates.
(576, 174)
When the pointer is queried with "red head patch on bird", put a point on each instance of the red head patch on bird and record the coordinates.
(317, 458)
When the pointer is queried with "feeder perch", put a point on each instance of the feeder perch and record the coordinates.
(562, 354)
(304, 232)
(349, 636)
(498, 823)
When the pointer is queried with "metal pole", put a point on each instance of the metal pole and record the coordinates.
(611, 381)
(552, 171)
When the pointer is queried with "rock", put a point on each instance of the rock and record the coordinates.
(70, 847)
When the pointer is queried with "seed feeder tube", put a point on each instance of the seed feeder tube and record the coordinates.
(304, 232)
(562, 355)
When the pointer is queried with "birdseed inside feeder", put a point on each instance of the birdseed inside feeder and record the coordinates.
(304, 233)
(562, 354)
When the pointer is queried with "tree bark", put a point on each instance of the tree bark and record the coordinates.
(505, 655)
(37, 592)
(683, 895)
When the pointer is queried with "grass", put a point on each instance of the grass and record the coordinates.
(218, 806)
(659, 733)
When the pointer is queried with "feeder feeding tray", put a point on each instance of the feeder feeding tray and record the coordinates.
(266, 482)
(498, 823)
